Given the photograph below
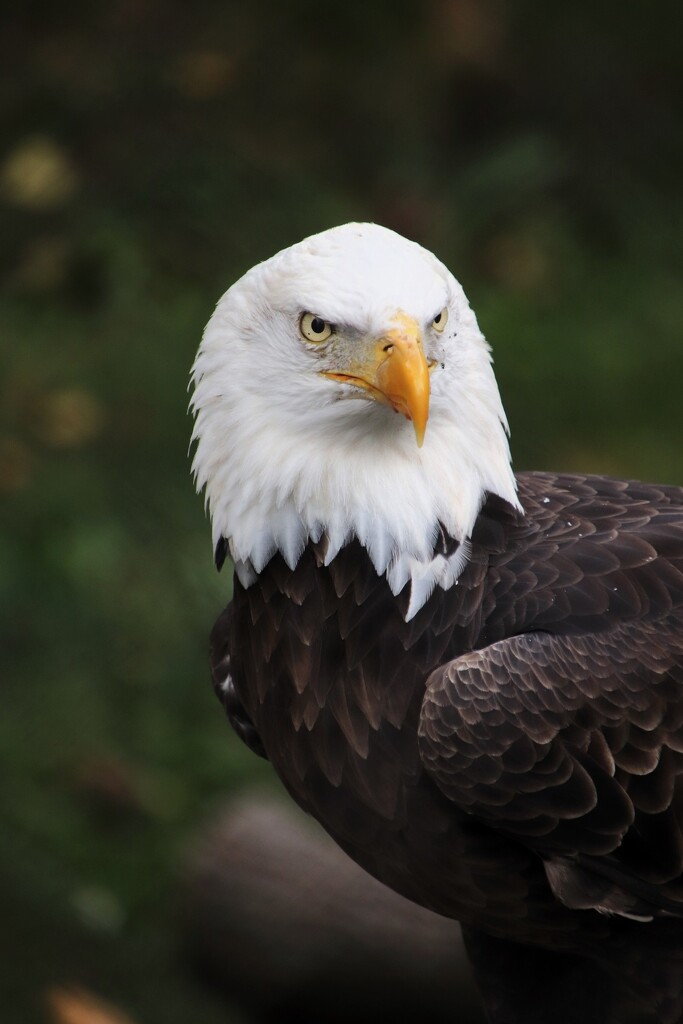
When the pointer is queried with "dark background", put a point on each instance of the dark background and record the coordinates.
(150, 153)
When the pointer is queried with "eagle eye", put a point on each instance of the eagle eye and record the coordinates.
(314, 328)
(440, 320)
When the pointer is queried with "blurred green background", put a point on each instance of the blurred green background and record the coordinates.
(150, 153)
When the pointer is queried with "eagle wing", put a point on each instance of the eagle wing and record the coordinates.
(224, 684)
(569, 738)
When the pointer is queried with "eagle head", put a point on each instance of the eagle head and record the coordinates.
(343, 390)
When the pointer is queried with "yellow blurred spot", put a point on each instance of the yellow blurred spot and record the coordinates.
(204, 74)
(38, 174)
(69, 418)
(469, 32)
(43, 265)
(77, 1006)
(517, 261)
(16, 464)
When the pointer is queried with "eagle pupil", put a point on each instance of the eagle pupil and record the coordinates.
(437, 318)
(317, 325)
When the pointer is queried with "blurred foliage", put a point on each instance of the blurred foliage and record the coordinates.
(151, 152)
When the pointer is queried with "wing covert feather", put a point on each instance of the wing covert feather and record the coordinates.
(571, 743)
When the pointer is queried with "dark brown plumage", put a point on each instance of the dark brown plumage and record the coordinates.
(510, 757)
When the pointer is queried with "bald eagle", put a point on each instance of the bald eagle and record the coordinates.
(472, 679)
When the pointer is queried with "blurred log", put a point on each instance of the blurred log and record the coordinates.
(276, 914)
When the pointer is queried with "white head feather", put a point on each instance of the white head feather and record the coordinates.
(285, 454)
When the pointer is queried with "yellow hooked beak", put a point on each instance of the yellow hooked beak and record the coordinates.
(395, 373)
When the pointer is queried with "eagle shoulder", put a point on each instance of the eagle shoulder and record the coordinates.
(564, 727)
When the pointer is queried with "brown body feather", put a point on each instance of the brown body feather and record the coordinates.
(512, 756)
